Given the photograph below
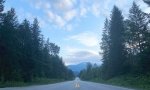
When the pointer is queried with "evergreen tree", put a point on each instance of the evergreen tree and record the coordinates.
(1, 5)
(54, 49)
(1, 21)
(137, 21)
(24, 54)
(91, 72)
(8, 45)
(36, 41)
(125, 46)
(117, 44)
(105, 46)
(137, 34)
(27, 61)
(1, 9)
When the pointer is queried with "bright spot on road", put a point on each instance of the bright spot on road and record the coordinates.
(77, 85)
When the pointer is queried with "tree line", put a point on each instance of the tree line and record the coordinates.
(91, 72)
(125, 45)
(24, 54)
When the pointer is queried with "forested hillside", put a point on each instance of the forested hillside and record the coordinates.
(24, 53)
(126, 49)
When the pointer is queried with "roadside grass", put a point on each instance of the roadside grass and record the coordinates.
(135, 82)
(38, 81)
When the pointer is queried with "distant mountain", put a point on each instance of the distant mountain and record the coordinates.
(78, 67)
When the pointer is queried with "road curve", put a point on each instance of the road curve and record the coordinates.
(70, 85)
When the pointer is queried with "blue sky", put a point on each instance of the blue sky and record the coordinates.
(74, 25)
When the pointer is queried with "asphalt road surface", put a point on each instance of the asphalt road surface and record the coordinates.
(77, 84)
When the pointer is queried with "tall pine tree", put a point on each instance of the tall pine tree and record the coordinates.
(117, 44)
(27, 60)
(137, 34)
(105, 47)
(1, 5)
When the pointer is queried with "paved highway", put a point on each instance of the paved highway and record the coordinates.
(70, 85)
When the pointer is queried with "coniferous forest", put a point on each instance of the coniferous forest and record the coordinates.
(24, 53)
(126, 50)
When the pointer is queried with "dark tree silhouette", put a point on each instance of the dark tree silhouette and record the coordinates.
(147, 1)
(24, 54)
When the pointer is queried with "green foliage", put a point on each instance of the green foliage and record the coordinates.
(1, 5)
(37, 81)
(137, 39)
(105, 44)
(130, 81)
(92, 71)
(113, 45)
(126, 51)
(25, 55)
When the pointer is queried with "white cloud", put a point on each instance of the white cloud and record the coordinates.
(56, 19)
(143, 6)
(83, 11)
(64, 4)
(71, 49)
(64, 12)
(59, 20)
(121, 3)
(83, 7)
(50, 15)
(58, 12)
(76, 55)
(88, 39)
(39, 4)
(69, 15)
(96, 9)
(147, 10)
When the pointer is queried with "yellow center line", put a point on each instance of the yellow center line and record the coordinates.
(77, 85)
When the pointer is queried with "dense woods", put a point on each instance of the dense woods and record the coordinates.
(126, 47)
(24, 53)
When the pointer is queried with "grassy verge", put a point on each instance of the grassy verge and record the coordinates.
(136, 82)
(38, 81)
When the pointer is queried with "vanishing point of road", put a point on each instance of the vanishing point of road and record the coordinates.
(77, 84)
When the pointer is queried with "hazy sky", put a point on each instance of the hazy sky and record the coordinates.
(74, 25)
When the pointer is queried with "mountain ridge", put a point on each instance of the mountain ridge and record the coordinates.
(78, 67)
